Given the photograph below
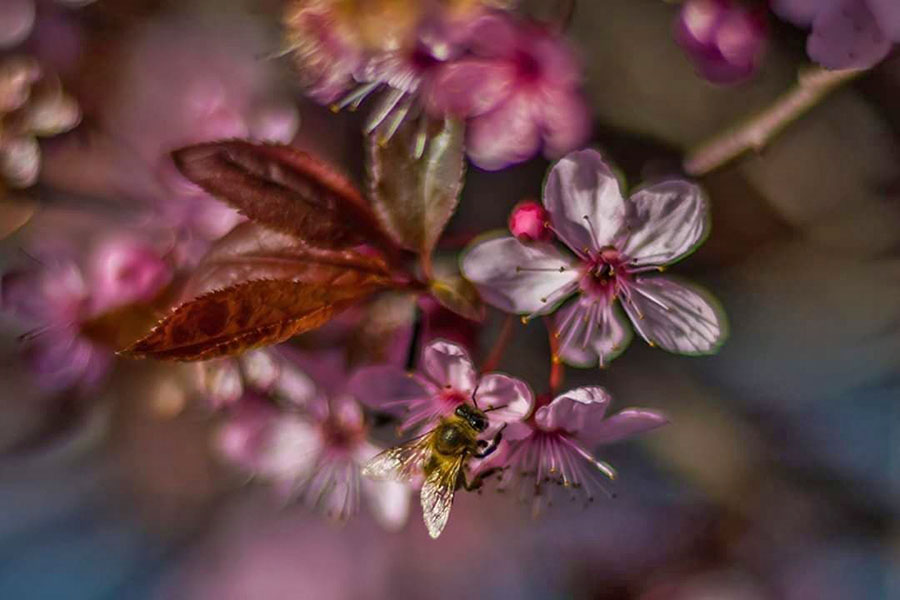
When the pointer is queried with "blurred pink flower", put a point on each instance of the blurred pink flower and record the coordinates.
(723, 39)
(614, 241)
(519, 90)
(224, 381)
(846, 34)
(554, 446)
(56, 298)
(449, 379)
(315, 456)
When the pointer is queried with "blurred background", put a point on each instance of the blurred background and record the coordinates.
(778, 478)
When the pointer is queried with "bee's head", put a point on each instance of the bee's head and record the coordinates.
(474, 417)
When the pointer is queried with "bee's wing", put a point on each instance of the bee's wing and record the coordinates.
(400, 463)
(437, 494)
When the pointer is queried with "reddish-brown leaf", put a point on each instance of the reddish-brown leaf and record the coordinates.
(245, 316)
(252, 252)
(283, 188)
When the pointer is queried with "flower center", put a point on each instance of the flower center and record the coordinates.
(604, 273)
(527, 66)
(452, 397)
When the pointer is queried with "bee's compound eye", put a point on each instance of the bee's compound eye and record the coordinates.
(460, 410)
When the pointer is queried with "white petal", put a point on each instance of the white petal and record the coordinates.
(449, 365)
(574, 411)
(292, 448)
(520, 278)
(591, 333)
(496, 390)
(666, 221)
(674, 316)
(582, 185)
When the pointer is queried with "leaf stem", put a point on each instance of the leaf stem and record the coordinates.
(813, 85)
(500, 344)
(557, 369)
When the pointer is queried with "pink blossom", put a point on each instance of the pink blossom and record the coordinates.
(314, 456)
(846, 34)
(724, 40)
(555, 446)
(224, 381)
(615, 242)
(528, 222)
(519, 90)
(448, 378)
(55, 297)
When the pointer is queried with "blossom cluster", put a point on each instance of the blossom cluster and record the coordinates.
(330, 330)
(515, 82)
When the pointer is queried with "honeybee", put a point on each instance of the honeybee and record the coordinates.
(440, 455)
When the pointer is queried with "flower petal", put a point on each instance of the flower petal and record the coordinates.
(799, 12)
(626, 424)
(496, 390)
(387, 388)
(887, 14)
(575, 411)
(517, 278)
(847, 36)
(566, 121)
(507, 135)
(591, 332)
(388, 501)
(676, 317)
(666, 221)
(449, 365)
(291, 448)
(585, 203)
(469, 87)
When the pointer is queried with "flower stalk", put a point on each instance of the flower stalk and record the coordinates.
(754, 134)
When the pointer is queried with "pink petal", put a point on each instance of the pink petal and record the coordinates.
(125, 270)
(387, 388)
(626, 424)
(674, 316)
(566, 121)
(517, 278)
(290, 449)
(800, 12)
(581, 409)
(558, 64)
(507, 135)
(222, 381)
(847, 36)
(261, 368)
(666, 221)
(516, 431)
(449, 366)
(496, 390)
(16, 21)
(239, 439)
(388, 502)
(584, 201)
(295, 387)
(469, 87)
(495, 36)
(591, 333)
(887, 14)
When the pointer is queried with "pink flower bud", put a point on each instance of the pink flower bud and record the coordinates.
(124, 271)
(528, 222)
(724, 40)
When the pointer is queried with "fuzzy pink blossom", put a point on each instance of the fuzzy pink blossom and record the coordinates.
(555, 447)
(528, 222)
(519, 90)
(846, 34)
(615, 243)
(724, 40)
(55, 296)
(448, 379)
(314, 456)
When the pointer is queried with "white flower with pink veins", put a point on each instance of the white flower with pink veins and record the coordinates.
(618, 246)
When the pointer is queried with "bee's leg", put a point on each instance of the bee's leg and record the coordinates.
(478, 480)
(490, 447)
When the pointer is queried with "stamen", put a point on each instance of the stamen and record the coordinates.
(400, 113)
(383, 110)
(594, 237)
(561, 269)
(652, 298)
(354, 98)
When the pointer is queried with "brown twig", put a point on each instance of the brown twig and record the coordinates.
(758, 131)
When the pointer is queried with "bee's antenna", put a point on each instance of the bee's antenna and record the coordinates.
(487, 410)
(474, 394)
